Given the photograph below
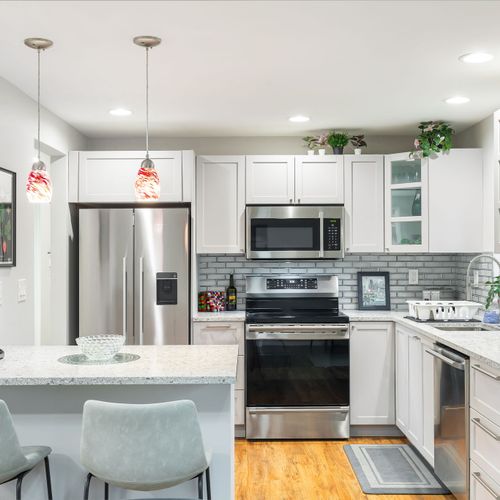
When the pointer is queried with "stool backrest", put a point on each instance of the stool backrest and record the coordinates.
(149, 445)
(11, 456)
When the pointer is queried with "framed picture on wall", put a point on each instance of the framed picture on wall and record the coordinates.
(7, 218)
(374, 291)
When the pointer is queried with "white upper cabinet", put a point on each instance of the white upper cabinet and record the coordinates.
(270, 180)
(220, 204)
(109, 176)
(319, 179)
(406, 204)
(456, 202)
(364, 203)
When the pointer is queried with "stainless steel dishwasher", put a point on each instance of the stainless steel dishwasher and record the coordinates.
(451, 419)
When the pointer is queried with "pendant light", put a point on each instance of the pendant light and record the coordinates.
(147, 182)
(38, 186)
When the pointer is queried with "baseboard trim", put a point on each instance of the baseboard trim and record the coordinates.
(375, 430)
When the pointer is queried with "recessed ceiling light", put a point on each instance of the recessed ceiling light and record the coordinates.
(476, 57)
(120, 112)
(458, 99)
(299, 119)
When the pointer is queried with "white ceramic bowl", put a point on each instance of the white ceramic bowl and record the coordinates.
(100, 347)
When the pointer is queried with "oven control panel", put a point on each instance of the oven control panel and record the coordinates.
(292, 283)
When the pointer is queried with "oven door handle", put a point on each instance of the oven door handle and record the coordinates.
(311, 327)
(280, 335)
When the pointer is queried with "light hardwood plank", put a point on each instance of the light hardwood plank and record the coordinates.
(303, 470)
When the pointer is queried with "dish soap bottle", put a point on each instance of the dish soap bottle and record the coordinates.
(231, 295)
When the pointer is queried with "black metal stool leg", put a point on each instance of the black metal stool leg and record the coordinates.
(207, 477)
(106, 491)
(47, 476)
(200, 485)
(19, 484)
(87, 487)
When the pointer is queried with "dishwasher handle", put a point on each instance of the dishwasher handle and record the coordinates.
(459, 365)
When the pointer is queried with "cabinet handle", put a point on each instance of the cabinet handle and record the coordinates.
(482, 370)
(298, 201)
(485, 485)
(291, 200)
(386, 249)
(478, 422)
(218, 327)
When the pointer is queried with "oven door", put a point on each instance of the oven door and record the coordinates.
(297, 365)
(294, 232)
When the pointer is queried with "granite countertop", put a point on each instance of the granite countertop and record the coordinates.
(481, 346)
(219, 316)
(191, 364)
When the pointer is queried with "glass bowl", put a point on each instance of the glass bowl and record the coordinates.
(100, 347)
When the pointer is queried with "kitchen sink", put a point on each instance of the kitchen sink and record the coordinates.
(464, 328)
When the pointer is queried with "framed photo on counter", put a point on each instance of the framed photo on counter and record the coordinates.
(374, 291)
(7, 218)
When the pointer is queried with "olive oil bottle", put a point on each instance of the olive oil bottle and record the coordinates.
(231, 295)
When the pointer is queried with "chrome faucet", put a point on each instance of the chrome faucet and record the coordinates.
(468, 293)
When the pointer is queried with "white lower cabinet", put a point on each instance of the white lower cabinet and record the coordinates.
(482, 486)
(485, 390)
(226, 333)
(402, 338)
(415, 390)
(372, 373)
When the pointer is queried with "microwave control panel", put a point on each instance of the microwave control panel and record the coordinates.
(332, 234)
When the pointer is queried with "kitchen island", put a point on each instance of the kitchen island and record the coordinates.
(46, 398)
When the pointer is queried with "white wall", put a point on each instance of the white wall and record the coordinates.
(17, 150)
(242, 145)
(482, 135)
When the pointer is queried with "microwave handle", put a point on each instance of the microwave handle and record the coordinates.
(321, 235)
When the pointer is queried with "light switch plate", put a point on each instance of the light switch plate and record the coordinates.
(413, 276)
(21, 290)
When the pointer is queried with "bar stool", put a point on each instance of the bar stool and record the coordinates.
(143, 447)
(15, 460)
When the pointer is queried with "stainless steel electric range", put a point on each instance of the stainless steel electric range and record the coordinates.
(297, 358)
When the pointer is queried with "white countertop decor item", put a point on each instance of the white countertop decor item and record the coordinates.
(100, 347)
(440, 310)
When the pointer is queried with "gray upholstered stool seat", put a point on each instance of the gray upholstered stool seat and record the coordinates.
(15, 460)
(143, 447)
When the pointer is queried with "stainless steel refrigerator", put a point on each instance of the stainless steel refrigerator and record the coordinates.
(134, 274)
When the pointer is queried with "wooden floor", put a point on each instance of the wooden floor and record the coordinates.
(303, 470)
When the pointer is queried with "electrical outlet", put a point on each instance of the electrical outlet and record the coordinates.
(476, 278)
(413, 276)
(21, 290)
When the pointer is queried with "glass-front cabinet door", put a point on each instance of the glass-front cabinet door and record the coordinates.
(406, 205)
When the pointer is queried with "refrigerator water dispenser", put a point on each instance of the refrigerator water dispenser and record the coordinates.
(166, 288)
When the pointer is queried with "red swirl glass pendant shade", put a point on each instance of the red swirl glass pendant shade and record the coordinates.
(39, 187)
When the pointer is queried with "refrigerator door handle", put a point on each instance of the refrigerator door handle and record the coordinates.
(124, 283)
(141, 300)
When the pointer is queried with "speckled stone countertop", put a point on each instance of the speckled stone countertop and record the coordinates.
(192, 364)
(481, 346)
(220, 316)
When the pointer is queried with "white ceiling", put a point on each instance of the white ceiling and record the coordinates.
(241, 68)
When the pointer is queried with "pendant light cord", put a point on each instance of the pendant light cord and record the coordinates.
(38, 103)
(147, 102)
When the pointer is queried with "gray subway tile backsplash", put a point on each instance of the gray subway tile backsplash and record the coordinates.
(445, 272)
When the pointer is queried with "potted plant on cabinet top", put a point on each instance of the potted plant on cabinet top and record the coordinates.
(337, 141)
(311, 144)
(322, 142)
(434, 138)
(358, 142)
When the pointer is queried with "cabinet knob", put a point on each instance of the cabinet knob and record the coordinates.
(298, 200)
(291, 200)
(387, 249)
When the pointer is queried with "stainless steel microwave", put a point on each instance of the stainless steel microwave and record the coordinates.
(295, 232)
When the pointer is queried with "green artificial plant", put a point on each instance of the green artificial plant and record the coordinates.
(434, 138)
